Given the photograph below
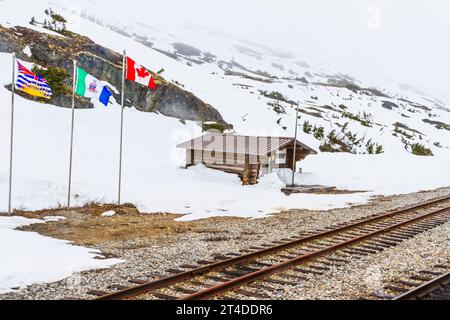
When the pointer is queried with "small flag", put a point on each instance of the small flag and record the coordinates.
(90, 87)
(139, 74)
(31, 83)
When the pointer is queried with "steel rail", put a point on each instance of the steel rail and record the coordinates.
(265, 272)
(425, 288)
(189, 274)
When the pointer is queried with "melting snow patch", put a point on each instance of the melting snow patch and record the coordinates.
(53, 218)
(108, 213)
(27, 51)
(29, 258)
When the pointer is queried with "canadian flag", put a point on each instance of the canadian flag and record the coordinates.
(139, 74)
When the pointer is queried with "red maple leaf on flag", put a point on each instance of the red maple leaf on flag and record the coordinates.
(142, 72)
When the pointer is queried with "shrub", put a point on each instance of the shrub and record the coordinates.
(278, 108)
(351, 136)
(373, 148)
(55, 77)
(332, 137)
(213, 126)
(369, 147)
(404, 133)
(277, 95)
(58, 23)
(319, 133)
(420, 150)
(58, 18)
(364, 121)
(327, 147)
(379, 149)
(307, 127)
(353, 87)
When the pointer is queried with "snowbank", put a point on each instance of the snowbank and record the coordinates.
(390, 173)
(110, 213)
(28, 258)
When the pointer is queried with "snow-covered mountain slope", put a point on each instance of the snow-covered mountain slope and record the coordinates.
(255, 89)
(227, 72)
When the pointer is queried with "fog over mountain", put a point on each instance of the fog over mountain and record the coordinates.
(403, 41)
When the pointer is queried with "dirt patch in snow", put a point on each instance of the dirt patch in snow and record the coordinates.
(87, 226)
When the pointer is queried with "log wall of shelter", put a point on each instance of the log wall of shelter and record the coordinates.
(194, 157)
(246, 166)
(251, 174)
(300, 155)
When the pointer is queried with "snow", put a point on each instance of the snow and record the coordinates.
(108, 213)
(53, 218)
(29, 258)
(27, 51)
(153, 175)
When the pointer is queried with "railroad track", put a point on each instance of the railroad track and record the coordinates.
(286, 262)
(431, 284)
(435, 289)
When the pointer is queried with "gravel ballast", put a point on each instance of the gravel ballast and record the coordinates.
(207, 238)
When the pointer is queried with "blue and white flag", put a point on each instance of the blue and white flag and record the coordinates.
(31, 83)
(90, 87)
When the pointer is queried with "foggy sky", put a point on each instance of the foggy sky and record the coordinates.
(406, 41)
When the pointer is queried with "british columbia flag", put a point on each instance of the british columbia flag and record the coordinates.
(31, 83)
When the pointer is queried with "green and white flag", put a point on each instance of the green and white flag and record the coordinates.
(90, 87)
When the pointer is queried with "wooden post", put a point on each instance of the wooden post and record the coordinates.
(224, 148)
(192, 157)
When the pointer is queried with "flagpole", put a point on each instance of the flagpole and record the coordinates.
(121, 129)
(13, 86)
(294, 162)
(71, 133)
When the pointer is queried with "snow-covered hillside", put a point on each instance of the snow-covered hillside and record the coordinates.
(266, 81)
(254, 88)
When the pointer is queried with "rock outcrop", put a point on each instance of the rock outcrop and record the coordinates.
(105, 64)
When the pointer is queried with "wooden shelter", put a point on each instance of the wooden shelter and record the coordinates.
(248, 156)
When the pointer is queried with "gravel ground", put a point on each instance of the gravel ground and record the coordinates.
(146, 255)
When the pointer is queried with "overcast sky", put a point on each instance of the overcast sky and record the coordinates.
(407, 41)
